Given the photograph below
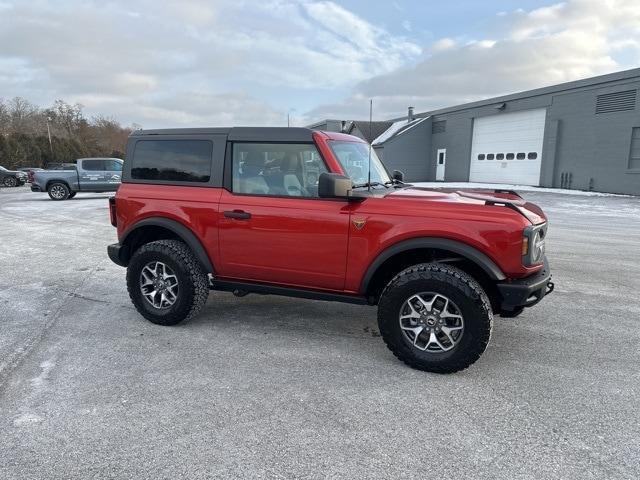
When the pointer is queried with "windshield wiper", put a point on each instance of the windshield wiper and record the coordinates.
(371, 184)
(395, 183)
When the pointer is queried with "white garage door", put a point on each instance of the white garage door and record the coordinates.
(507, 148)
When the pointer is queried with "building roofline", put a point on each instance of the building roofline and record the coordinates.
(560, 87)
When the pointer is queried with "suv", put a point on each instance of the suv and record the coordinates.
(291, 211)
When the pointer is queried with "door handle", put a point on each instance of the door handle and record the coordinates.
(238, 214)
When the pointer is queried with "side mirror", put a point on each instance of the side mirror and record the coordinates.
(398, 175)
(334, 185)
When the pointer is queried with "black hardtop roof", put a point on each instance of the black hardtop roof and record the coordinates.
(259, 134)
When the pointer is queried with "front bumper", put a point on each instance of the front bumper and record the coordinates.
(118, 254)
(525, 292)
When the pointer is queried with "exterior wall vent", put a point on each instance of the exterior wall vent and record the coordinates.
(439, 127)
(616, 102)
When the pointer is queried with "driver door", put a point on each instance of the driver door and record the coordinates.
(272, 230)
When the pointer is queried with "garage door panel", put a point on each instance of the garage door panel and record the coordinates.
(518, 132)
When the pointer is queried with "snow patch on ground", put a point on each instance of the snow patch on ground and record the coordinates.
(46, 367)
(26, 419)
(522, 188)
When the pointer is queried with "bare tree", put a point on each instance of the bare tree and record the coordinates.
(23, 116)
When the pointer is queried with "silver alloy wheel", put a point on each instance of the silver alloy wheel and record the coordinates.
(10, 182)
(159, 285)
(431, 322)
(58, 192)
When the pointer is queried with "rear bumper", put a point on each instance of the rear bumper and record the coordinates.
(525, 292)
(118, 254)
(35, 188)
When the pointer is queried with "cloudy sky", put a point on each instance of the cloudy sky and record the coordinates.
(243, 62)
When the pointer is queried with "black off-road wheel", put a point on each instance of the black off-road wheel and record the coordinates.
(58, 191)
(166, 283)
(435, 317)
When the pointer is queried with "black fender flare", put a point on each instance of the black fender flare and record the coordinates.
(462, 249)
(184, 233)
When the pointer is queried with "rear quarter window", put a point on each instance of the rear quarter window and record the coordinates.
(172, 160)
(93, 165)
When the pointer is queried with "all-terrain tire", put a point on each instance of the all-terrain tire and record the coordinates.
(462, 290)
(193, 286)
(58, 191)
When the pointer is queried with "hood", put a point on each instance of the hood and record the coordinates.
(475, 196)
(14, 172)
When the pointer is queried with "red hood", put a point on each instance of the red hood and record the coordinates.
(475, 196)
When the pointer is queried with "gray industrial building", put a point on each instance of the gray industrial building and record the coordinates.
(581, 135)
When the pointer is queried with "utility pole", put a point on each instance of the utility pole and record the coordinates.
(49, 134)
(289, 116)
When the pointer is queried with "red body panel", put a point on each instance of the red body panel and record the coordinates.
(288, 240)
(314, 243)
(194, 207)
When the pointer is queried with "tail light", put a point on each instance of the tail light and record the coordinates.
(112, 211)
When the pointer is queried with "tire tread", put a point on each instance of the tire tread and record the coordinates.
(456, 278)
(181, 253)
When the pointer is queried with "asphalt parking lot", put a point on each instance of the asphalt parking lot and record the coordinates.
(278, 387)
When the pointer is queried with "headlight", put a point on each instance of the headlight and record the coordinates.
(533, 244)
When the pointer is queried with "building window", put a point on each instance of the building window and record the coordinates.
(521, 156)
(500, 156)
(510, 156)
(439, 126)
(532, 155)
(490, 156)
(481, 156)
(634, 153)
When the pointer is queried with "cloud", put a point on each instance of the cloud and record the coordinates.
(146, 62)
(523, 50)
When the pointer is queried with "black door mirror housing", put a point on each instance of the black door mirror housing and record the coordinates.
(334, 185)
(398, 175)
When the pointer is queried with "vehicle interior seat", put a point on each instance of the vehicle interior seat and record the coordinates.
(290, 179)
(251, 180)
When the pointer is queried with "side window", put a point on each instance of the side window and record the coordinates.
(93, 165)
(532, 155)
(510, 156)
(500, 156)
(520, 156)
(276, 169)
(490, 156)
(112, 166)
(481, 156)
(172, 160)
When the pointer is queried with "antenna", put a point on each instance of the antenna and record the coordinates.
(371, 140)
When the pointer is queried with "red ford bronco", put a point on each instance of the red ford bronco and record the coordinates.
(291, 211)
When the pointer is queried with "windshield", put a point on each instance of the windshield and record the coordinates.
(354, 158)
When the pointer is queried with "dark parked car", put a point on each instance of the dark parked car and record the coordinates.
(12, 178)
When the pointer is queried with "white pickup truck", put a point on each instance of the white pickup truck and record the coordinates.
(89, 175)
